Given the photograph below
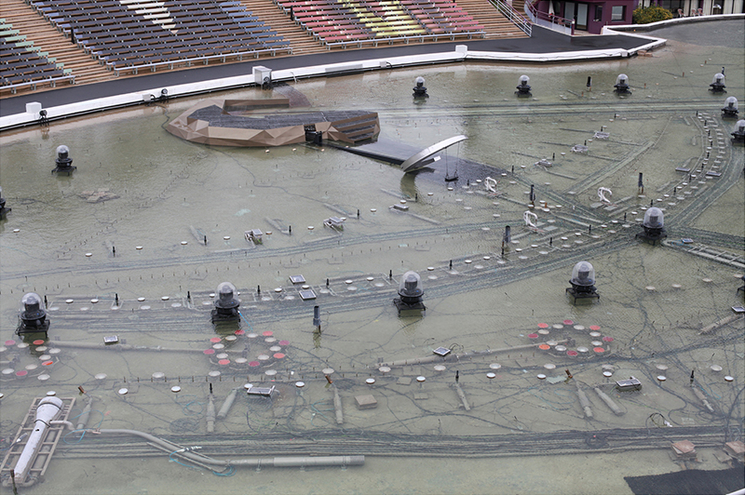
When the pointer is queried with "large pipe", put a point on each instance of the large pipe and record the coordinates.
(337, 407)
(702, 397)
(297, 461)
(714, 326)
(225, 409)
(456, 357)
(210, 415)
(584, 401)
(462, 396)
(83, 418)
(609, 402)
(48, 410)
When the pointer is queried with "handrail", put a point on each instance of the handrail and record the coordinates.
(52, 80)
(551, 21)
(515, 17)
(391, 39)
(206, 59)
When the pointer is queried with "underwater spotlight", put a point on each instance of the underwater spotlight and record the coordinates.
(653, 225)
(622, 85)
(738, 135)
(523, 88)
(717, 85)
(63, 161)
(410, 292)
(420, 91)
(226, 305)
(33, 317)
(730, 108)
(583, 282)
(3, 210)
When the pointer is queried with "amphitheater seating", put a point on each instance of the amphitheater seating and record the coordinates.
(358, 21)
(131, 34)
(21, 64)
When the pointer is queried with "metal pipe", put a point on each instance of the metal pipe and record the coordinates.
(83, 418)
(225, 409)
(456, 357)
(296, 461)
(210, 415)
(584, 401)
(702, 397)
(462, 396)
(337, 407)
(711, 328)
(609, 402)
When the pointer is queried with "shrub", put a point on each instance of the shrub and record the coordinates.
(645, 15)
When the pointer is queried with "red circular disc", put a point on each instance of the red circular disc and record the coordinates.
(572, 353)
(267, 333)
(224, 362)
(532, 335)
(284, 342)
(47, 363)
(543, 325)
(10, 342)
(278, 355)
(240, 332)
(253, 364)
(568, 322)
(38, 342)
(594, 328)
(215, 340)
(544, 347)
(608, 339)
(599, 350)
(209, 351)
(21, 373)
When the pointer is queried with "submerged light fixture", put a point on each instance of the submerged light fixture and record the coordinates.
(730, 109)
(583, 282)
(33, 317)
(226, 306)
(523, 88)
(420, 91)
(717, 84)
(410, 292)
(3, 210)
(622, 85)
(63, 161)
(653, 225)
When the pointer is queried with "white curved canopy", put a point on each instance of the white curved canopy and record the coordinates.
(419, 159)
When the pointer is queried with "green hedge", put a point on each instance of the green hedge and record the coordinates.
(645, 15)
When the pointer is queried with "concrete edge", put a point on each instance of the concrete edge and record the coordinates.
(461, 53)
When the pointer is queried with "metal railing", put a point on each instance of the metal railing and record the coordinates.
(550, 21)
(52, 81)
(190, 61)
(420, 38)
(515, 17)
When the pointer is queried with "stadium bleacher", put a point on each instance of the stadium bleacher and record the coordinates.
(137, 34)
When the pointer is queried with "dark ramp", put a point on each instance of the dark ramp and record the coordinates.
(449, 166)
(691, 482)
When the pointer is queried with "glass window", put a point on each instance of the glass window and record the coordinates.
(598, 13)
(618, 13)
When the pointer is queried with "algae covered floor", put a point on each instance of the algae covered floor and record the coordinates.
(118, 249)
